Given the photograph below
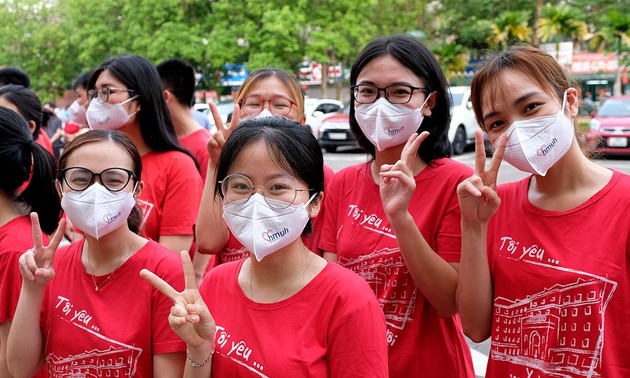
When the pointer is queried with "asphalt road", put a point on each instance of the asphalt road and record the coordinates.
(507, 173)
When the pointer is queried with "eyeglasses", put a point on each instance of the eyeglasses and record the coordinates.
(279, 193)
(103, 93)
(114, 179)
(279, 106)
(395, 93)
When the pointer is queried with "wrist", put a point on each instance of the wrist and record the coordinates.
(200, 355)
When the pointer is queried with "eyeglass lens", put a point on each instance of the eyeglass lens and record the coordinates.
(278, 105)
(278, 193)
(114, 179)
(396, 94)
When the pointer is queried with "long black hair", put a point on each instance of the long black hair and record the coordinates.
(21, 158)
(139, 75)
(28, 104)
(416, 57)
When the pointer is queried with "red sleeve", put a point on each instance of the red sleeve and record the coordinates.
(182, 198)
(44, 141)
(10, 284)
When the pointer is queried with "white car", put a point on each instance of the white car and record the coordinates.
(316, 109)
(461, 132)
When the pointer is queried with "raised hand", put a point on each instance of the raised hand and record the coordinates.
(36, 264)
(397, 180)
(216, 142)
(190, 318)
(478, 199)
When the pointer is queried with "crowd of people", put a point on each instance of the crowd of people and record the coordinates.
(137, 243)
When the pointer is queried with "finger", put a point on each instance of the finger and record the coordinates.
(386, 167)
(410, 151)
(45, 274)
(497, 157)
(236, 116)
(159, 284)
(492, 198)
(189, 271)
(37, 231)
(480, 152)
(216, 116)
(467, 188)
(58, 235)
(28, 265)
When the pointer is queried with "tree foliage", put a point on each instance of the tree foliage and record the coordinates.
(55, 40)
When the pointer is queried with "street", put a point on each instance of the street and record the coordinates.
(507, 173)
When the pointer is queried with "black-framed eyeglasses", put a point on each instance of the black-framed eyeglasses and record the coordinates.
(279, 106)
(279, 193)
(395, 93)
(113, 179)
(103, 93)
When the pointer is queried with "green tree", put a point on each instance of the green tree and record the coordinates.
(510, 27)
(561, 21)
(615, 36)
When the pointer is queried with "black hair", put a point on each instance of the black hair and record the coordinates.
(82, 81)
(416, 57)
(292, 145)
(11, 75)
(178, 77)
(140, 76)
(28, 105)
(21, 158)
(134, 221)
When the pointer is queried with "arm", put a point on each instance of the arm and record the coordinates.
(435, 277)
(176, 242)
(478, 202)
(4, 335)
(190, 319)
(212, 234)
(25, 341)
(169, 364)
(329, 256)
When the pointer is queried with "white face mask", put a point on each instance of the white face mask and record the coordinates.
(96, 211)
(104, 116)
(535, 145)
(262, 229)
(76, 112)
(387, 125)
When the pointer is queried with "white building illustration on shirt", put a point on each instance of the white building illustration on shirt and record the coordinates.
(387, 274)
(559, 330)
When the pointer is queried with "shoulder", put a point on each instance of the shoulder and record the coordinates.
(351, 173)
(346, 284)
(168, 162)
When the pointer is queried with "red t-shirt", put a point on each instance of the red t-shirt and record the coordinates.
(15, 239)
(116, 330)
(171, 195)
(196, 143)
(344, 337)
(561, 285)
(44, 141)
(421, 344)
(234, 250)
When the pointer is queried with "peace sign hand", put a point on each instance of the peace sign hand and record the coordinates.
(397, 181)
(478, 199)
(36, 264)
(190, 318)
(217, 140)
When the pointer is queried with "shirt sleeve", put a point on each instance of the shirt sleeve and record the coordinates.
(183, 195)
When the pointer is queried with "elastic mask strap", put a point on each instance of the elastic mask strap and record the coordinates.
(425, 101)
(564, 101)
(310, 199)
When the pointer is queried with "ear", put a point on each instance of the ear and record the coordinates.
(168, 96)
(32, 126)
(139, 189)
(315, 206)
(573, 102)
(430, 104)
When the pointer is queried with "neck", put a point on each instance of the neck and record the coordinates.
(279, 265)
(111, 250)
(8, 209)
(132, 130)
(183, 122)
(391, 156)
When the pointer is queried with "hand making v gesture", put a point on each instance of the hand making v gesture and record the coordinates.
(217, 140)
(36, 264)
(190, 318)
(397, 180)
(478, 199)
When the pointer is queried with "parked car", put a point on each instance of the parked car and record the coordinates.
(316, 110)
(461, 131)
(334, 131)
(609, 130)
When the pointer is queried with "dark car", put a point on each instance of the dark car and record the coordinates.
(609, 131)
(334, 131)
